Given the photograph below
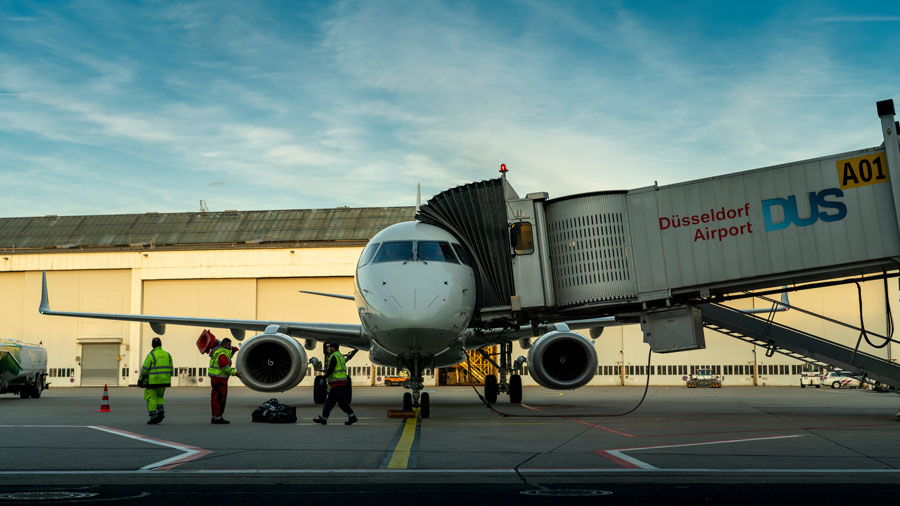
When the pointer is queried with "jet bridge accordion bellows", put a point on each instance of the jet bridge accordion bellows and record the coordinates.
(476, 214)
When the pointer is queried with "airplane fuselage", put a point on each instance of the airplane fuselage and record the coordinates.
(414, 293)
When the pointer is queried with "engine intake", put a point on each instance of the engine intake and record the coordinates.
(271, 362)
(562, 360)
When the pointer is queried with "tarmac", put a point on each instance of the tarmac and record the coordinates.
(701, 444)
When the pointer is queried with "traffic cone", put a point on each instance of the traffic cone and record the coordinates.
(104, 404)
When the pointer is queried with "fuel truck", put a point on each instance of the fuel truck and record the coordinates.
(23, 368)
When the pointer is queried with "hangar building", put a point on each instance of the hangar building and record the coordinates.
(251, 264)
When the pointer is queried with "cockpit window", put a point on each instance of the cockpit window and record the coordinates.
(436, 251)
(395, 251)
(367, 254)
(463, 255)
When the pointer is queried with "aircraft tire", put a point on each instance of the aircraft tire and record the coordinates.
(425, 405)
(407, 401)
(515, 389)
(319, 390)
(490, 388)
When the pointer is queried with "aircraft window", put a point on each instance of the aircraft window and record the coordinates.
(395, 251)
(521, 238)
(367, 254)
(434, 251)
(463, 255)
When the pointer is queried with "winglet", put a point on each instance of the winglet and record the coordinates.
(44, 308)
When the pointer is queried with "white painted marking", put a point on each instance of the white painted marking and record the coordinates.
(645, 466)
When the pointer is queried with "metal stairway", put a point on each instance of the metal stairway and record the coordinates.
(797, 344)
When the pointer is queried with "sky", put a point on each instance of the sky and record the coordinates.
(116, 107)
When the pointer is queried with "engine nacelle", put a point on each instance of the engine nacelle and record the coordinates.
(562, 360)
(271, 362)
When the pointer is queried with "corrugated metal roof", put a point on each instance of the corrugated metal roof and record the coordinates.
(201, 228)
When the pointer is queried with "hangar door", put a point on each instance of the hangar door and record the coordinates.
(99, 365)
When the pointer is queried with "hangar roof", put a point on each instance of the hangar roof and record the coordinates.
(200, 229)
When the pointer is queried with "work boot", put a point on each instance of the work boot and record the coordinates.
(351, 420)
(219, 421)
(319, 419)
(153, 421)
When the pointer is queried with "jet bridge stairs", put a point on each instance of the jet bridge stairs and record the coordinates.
(778, 338)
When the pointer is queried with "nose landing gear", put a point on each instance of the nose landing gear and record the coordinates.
(416, 398)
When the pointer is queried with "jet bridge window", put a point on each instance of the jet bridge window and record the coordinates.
(395, 251)
(435, 251)
(521, 238)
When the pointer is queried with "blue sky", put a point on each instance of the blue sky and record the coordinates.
(110, 107)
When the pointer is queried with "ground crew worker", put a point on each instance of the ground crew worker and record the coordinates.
(156, 375)
(219, 371)
(336, 377)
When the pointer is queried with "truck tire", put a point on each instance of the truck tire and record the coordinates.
(38, 387)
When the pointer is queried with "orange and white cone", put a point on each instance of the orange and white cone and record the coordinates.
(104, 404)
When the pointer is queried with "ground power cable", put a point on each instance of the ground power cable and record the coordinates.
(548, 415)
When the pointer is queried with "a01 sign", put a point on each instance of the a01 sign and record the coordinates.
(862, 170)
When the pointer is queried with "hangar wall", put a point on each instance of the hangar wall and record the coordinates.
(264, 284)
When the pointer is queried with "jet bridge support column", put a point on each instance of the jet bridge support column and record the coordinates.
(891, 149)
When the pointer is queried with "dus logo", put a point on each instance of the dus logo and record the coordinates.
(817, 202)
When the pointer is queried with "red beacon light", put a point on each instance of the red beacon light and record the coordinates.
(503, 168)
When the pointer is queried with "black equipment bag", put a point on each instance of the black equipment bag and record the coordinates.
(273, 411)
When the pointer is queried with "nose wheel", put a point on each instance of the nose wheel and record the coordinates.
(416, 398)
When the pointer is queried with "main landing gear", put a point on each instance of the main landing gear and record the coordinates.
(513, 387)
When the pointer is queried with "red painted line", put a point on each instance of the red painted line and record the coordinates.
(582, 422)
(621, 462)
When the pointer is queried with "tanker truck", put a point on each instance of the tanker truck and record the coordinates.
(23, 368)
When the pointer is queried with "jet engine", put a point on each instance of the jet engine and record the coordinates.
(562, 360)
(271, 362)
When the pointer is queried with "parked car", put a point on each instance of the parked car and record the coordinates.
(841, 379)
(394, 380)
(704, 378)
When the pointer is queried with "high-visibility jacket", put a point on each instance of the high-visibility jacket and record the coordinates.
(215, 371)
(157, 368)
(338, 376)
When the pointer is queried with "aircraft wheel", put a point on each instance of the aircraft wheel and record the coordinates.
(407, 401)
(515, 389)
(349, 391)
(424, 405)
(319, 390)
(490, 388)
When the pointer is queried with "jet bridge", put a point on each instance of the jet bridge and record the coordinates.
(653, 254)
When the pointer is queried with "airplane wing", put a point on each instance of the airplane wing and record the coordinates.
(345, 334)
(475, 339)
(324, 294)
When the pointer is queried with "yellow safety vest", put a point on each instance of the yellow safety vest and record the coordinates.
(158, 368)
(220, 372)
(339, 375)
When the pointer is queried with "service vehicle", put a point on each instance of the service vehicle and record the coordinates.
(841, 379)
(704, 378)
(23, 368)
(813, 379)
(394, 380)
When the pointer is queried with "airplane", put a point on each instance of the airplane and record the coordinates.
(415, 293)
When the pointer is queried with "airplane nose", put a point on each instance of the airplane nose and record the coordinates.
(410, 301)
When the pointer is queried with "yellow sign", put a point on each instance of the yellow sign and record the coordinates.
(862, 171)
